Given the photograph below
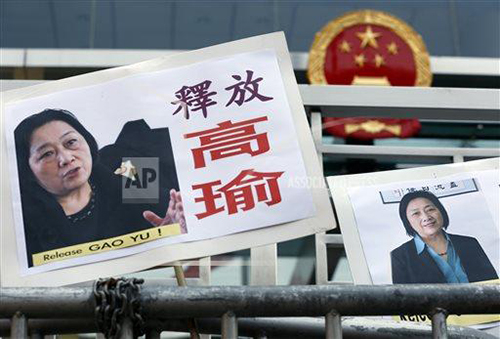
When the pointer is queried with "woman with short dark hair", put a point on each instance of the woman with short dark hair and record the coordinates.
(70, 195)
(433, 255)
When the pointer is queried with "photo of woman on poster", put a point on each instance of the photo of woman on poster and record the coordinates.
(69, 191)
(433, 255)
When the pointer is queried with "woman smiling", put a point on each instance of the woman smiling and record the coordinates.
(433, 255)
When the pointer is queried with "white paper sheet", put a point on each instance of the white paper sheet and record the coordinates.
(104, 101)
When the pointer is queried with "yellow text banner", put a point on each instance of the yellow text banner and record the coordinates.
(104, 245)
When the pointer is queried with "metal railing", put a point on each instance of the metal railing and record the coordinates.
(39, 311)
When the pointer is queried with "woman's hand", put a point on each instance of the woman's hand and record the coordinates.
(174, 214)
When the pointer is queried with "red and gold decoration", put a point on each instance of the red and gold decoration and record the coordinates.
(369, 48)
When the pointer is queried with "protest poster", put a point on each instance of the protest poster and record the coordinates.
(389, 219)
(175, 158)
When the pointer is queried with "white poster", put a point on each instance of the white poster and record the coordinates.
(177, 150)
(433, 224)
(428, 231)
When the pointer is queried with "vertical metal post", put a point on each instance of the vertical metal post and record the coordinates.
(229, 326)
(153, 334)
(127, 329)
(321, 251)
(333, 325)
(317, 134)
(264, 261)
(19, 326)
(439, 329)
(205, 270)
(181, 281)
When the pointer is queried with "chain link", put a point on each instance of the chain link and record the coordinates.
(117, 299)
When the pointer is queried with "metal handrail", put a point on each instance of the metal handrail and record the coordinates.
(163, 303)
(280, 301)
(262, 301)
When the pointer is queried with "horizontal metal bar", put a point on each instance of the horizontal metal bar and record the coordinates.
(262, 301)
(465, 66)
(36, 335)
(289, 328)
(319, 300)
(331, 239)
(58, 302)
(405, 151)
(100, 58)
(464, 104)
(84, 58)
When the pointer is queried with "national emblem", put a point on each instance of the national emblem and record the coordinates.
(369, 47)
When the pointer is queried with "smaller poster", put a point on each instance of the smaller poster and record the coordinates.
(442, 226)
(428, 231)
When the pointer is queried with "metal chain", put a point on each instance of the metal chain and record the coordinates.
(117, 299)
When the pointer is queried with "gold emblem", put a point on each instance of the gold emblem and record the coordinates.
(317, 54)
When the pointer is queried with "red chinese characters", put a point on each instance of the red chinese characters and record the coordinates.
(229, 139)
(198, 97)
(242, 139)
(241, 193)
(242, 88)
